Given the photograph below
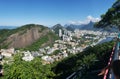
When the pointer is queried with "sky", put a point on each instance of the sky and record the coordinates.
(51, 12)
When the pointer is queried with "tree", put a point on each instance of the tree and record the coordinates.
(27, 70)
(102, 16)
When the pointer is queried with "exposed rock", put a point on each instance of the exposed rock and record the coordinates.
(26, 37)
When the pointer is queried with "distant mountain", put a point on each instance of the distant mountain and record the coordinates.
(8, 27)
(111, 18)
(56, 28)
(89, 26)
(72, 27)
(30, 36)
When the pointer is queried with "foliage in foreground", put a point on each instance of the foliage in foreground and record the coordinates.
(59, 70)
(27, 70)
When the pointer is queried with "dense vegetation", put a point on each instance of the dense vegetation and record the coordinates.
(27, 70)
(4, 33)
(111, 17)
(60, 70)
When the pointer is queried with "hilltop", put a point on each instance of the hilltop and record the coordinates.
(56, 28)
(27, 36)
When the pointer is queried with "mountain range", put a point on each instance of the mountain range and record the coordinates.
(89, 26)
(72, 27)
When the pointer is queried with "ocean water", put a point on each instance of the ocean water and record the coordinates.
(107, 39)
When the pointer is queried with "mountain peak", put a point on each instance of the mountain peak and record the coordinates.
(88, 26)
(57, 27)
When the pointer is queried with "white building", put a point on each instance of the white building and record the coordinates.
(65, 54)
(7, 52)
(42, 50)
(27, 56)
(35, 54)
(50, 50)
(48, 59)
(60, 33)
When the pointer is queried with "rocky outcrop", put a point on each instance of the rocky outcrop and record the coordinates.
(25, 37)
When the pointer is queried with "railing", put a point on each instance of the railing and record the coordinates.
(110, 60)
(76, 74)
(114, 56)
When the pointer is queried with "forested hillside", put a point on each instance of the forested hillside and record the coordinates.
(111, 18)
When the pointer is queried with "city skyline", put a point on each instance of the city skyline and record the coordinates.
(51, 12)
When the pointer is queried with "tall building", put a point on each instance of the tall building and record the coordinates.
(60, 33)
(65, 32)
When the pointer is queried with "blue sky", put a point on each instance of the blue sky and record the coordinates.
(50, 12)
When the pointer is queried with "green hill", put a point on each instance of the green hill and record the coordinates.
(56, 28)
(111, 18)
(30, 36)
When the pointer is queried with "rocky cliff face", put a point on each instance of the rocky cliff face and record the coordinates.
(25, 37)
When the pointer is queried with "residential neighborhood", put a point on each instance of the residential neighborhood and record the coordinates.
(69, 43)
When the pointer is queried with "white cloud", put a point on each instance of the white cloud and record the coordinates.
(88, 19)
